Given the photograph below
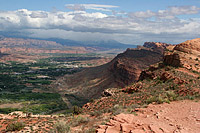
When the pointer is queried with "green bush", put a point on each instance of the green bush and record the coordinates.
(15, 126)
(166, 97)
(171, 95)
(157, 99)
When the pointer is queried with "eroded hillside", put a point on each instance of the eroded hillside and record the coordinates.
(121, 71)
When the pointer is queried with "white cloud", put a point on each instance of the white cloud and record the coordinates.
(183, 10)
(75, 7)
(169, 13)
(136, 27)
(82, 7)
(141, 14)
(38, 14)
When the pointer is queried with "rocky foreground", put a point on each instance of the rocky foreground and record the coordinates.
(31, 123)
(176, 117)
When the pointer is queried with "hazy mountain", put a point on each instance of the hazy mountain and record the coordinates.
(98, 45)
(109, 44)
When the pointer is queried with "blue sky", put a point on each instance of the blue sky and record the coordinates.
(126, 5)
(127, 21)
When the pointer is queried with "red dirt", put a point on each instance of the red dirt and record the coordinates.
(176, 117)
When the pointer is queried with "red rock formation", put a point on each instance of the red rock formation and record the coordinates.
(185, 54)
(156, 46)
(173, 59)
(190, 46)
(127, 67)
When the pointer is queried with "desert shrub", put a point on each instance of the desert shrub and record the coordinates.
(161, 99)
(91, 130)
(61, 127)
(165, 97)
(130, 109)
(91, 100)
(79, 120)
(117, 109)
(97, 113)
(172, 86)
(77, 110)
(190, 97)
(171, 95)
(151, 99)
(195, 72)
(157, 99)
(15, 126)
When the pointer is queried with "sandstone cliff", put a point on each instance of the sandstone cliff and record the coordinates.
(185, 54)
(157, 46)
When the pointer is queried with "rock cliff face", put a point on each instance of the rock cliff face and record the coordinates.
(185, 54)
(190, 46)
(126, 67)
(157, 46)
(123, 70)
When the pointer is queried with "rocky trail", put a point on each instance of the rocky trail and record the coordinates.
(176, 117)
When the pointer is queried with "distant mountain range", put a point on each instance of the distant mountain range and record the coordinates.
(109, 44)
(99, 45)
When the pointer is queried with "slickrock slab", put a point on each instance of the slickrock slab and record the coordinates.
(179, 116)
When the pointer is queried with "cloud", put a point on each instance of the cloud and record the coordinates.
(134, 27)
(83, 7)
(39, 15)
(142, 14)
(169, 13)
(75, 7)
(174, 10)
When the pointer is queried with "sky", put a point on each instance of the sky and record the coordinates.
(126, 21)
